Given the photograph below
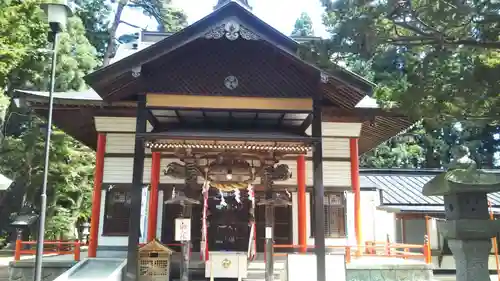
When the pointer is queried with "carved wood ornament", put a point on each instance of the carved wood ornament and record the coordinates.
(229, 171)
(232, 30)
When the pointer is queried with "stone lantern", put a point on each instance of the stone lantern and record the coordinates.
(467, 226)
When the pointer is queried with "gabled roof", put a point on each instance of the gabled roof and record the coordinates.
(345, 89)
(80, 123)
(284, 43)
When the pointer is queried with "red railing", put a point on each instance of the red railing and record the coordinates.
(399, 250)
(50, 248)
(375, 249)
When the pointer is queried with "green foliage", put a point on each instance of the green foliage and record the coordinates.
(70, 175)
(75, 58)
(303, 26)
(95, 15)
(21, 32)
(432, 59)
(427, 146)
(22, 147)
(435, 61)
(396, 153)
(169, 18)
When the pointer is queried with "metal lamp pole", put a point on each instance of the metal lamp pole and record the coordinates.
(57, 17)
(43, 195)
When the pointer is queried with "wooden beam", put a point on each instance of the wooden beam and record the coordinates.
(319, 190)
(337, 114)
(224, 102)
(136, 192)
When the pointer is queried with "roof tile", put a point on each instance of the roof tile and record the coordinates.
(406, 188)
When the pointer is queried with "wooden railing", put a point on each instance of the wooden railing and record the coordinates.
(399, 250)
(49, 248)
(375, 249)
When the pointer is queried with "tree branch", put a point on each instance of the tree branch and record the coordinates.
(421, 40)
(131, 25)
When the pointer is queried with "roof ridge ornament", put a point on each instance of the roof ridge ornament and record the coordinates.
(243, 3)
(232, 30)
(136, 71)
(324, 77)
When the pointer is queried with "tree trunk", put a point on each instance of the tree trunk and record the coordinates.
(75, 213)
(110, 48)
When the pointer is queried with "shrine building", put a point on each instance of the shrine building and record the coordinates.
(226, 115)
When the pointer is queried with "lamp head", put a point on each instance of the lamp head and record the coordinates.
(57, 15)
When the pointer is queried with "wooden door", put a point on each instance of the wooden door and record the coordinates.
(228, 228)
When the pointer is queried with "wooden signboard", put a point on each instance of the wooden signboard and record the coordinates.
(182, 229)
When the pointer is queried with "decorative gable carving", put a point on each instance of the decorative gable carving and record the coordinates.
(232, 30)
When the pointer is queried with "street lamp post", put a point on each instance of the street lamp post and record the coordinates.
(57, 15)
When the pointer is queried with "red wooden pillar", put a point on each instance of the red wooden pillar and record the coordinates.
(301, 202)
(153, 196)
(353, 145)
(96, 195)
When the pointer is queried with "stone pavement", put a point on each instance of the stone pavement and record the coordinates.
(4, 268)
(446, 277)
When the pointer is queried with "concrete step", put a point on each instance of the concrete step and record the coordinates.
(260, 275)
(257, 270)
(260, 278)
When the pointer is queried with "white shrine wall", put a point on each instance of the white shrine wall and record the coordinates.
(118, 162)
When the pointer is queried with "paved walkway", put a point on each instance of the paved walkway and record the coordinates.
(446, 277)
(4, 268)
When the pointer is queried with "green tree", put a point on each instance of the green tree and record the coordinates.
(444, 80)
(102, 18)
(168, 18)
(70, 175)
(75, 58)
(404, 151)
(428, 146)
(432, 59)
(95, 15)
(303, 26)
(22, 147)
(21, 32)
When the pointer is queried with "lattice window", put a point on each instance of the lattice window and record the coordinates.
(334, 215)
(334, 211)
(117, 212)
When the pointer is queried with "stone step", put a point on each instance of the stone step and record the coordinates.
(259, 279)
(257, 270)
(256, 275)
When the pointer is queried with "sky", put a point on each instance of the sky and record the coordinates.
(281, 14)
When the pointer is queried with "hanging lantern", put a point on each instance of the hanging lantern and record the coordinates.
(277, 201)
(180, 199)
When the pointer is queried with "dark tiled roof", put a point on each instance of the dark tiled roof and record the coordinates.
(404, 187)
